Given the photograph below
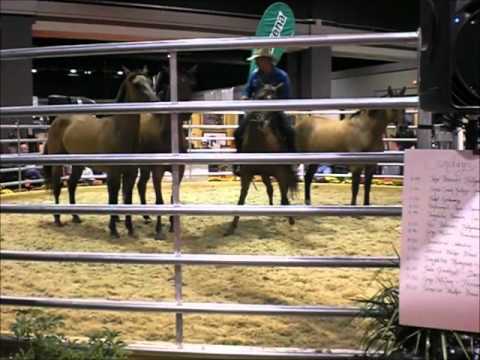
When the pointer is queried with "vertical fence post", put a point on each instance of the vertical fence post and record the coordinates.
(175, 128)
(17, 123)
(425, 125)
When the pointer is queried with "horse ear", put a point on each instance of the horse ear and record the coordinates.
(389, 91)
(145, 69)
(125, 70)
(278, 86)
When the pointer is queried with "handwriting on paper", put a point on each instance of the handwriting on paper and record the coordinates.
(440, 251)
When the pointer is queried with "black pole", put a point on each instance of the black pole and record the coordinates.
(472, 135)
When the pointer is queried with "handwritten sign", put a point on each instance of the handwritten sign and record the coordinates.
(440, 250)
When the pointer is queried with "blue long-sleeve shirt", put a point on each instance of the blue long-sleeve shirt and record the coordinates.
(275, 77)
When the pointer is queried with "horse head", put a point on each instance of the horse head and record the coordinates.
(267, 91)
(186, 82)
(136, 87)
(396, 116)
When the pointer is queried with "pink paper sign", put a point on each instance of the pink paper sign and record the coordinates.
(440, 250)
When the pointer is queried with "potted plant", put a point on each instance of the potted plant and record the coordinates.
(399, 342)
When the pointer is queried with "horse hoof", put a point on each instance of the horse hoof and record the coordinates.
(76, 220)
(308, 202)
(58, 223)
(291, 220)
(160, 236)
(147, 220)
(114, 235)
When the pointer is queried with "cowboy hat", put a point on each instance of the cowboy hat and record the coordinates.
(264, 52)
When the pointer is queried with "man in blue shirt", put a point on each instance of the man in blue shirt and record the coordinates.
(267, 73)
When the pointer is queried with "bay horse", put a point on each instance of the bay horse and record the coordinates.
(262, 136)
(88, 134)
(362, 131)
(156, 137)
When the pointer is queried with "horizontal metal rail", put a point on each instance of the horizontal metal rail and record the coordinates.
(413, 140)
(7, 170)
(200, 210)
(243, 158)
(229, 43)
(201, 106)
(202, 259)
(186, 308)
(229, 138)
(212, 150)
(8, 141)
(22, 182)
(24, 126)
(239, 352)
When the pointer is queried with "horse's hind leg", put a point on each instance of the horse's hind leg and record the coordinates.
(128, 183)
(72, 187)
(142, 189)
(57, 172)
(356, 175)
(283, 184)
(245, 182)
(113, 183)
(157, 173)
(307, 179)
(268, 184)
(369, 171)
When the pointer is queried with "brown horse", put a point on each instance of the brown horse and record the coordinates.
(361, 132)
(88, 134)
(261, 136)
(155, 137)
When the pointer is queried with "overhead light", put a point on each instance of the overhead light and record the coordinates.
(88, 72)
(34, 71)
(414, 82)
(73, 71)
(120, 72)
(169, 56)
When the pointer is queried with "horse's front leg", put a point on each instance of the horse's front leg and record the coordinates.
(307, 179)
(356, 175)
(128, 183)
(369, 171)
(113, 184)
(142, 188)
(72, 187)
(157, 175)
(246, 179)
(283, 184)
(57, 172)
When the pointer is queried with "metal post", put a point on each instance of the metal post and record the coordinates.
(18, 152)
(424, 129)
(176, 195)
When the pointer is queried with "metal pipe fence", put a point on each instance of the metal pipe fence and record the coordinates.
(178, 306)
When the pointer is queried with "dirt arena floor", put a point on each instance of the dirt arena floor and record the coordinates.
(256, 235)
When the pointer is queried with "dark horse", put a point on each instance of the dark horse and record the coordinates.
(155, 137)
(88, 134)
(262, 136)
(360, 132)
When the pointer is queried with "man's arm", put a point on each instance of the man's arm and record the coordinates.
(248, 90)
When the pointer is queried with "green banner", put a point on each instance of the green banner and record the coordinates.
(278, 20)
